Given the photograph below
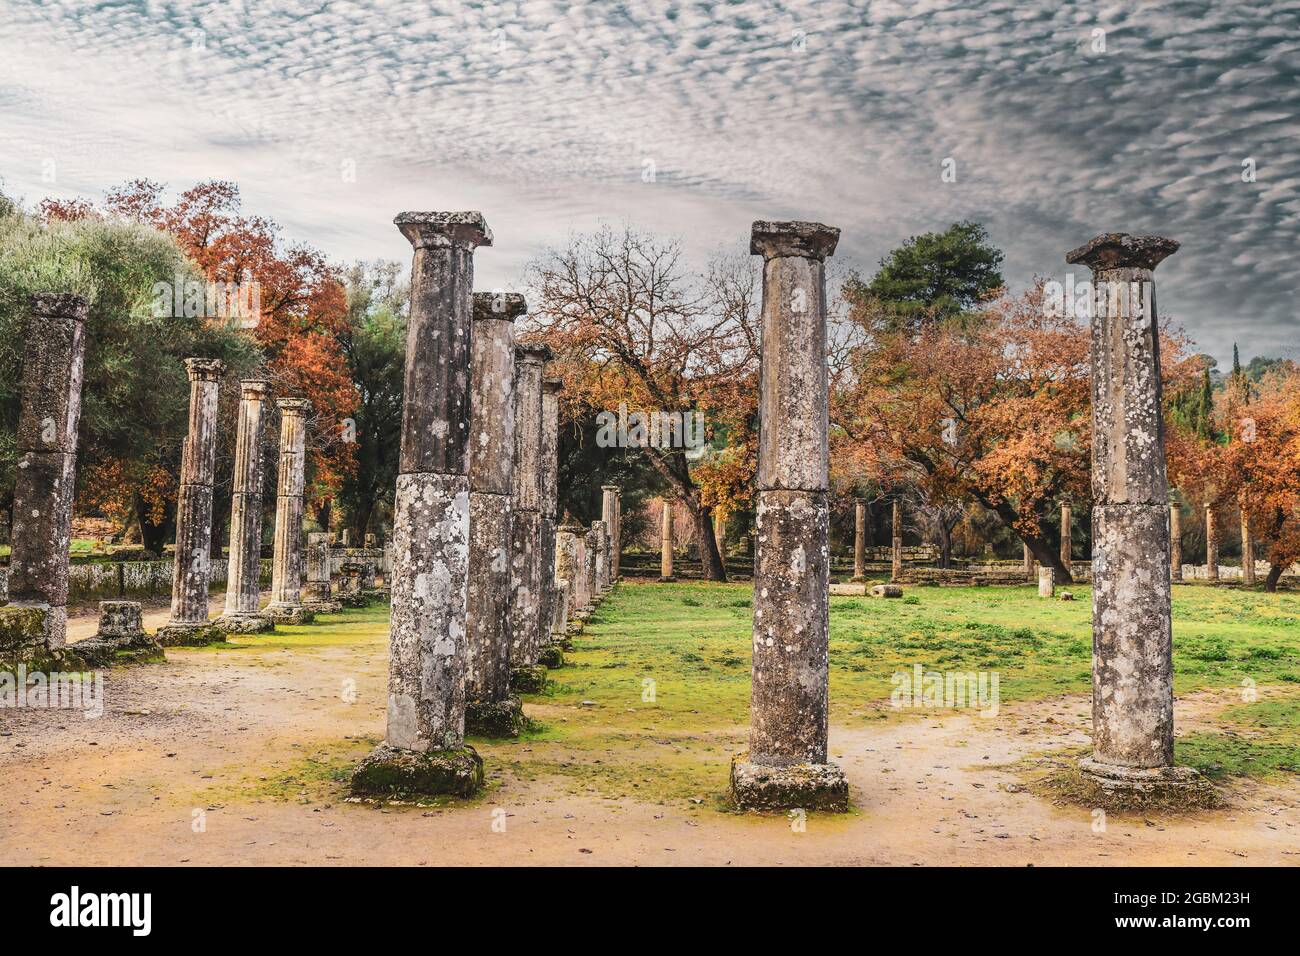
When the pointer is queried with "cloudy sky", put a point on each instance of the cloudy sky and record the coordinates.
(1061, 120)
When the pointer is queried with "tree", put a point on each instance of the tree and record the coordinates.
(373, 341)
(135, 394)
(634, 329)
(935, 276)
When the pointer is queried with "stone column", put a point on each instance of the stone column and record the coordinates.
(616, 553)
(192, 574)
(1247, 548)
(1211, 546)
(286, 562)
(602, 559)
(53, 354)
(666, 541)
(591, 557)
(1066, 537)
(526, 524)
(859, 539)
(424, 747)
(896, 554)
(242, 614)
(787, 764)
(581, 595)
(1132, 675)
(607, 506)
(548, 478)
(567, 573)
(491, 711)
(1175, 542)
(316, 595)
(1046, 582)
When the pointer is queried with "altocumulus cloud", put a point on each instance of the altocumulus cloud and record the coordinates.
(549, 117)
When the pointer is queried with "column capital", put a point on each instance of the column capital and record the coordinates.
(428, 230)
(254, 389)
(553, 386)
(59, 305)
(499, 305)
(776, 240)
(533, 353)
(205, 370)
(293, 406)
(613, 488)
(1119, 250)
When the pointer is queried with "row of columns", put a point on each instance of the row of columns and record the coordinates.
(482, 578)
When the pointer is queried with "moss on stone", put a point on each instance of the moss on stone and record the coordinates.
(495, 718)
(529, 679)
(395, 773)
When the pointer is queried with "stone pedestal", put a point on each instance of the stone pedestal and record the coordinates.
(316, 596)
(1132, 677)
(424, 749)
(666, 542)
(53, 355)
(243, 613)
(286, 605)
(192, 575)
(120, 639)
(786, 765)
(491, 710)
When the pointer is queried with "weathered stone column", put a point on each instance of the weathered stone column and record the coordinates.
(666, 541)
(1132, 670)
(1175, 542)
(896, 553)
(859, 539)
(616, 553)
(567, 574)
(1046, 582)
(1067, 540)
(1211, 546)
(601, 551)
(581, 594)
(526, 524)
(787, 764)
(53, 355)
(286, 605)
(1247, 548)
(192, 574)
(316, 595)
(590, 572)
(424, 747)
(243, 614)
(607, 519)
(491, 710)
(548, 462)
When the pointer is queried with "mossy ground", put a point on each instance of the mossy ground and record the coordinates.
(654, 699)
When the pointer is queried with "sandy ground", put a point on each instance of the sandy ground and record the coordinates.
(180, 768)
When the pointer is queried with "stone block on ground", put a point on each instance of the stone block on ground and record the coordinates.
(242, 623)
(528, 680)
(495, 718)
(848, 590)
(290, 614)
(798, 786)
(393, 772)
(550, 656)
(189, 635)
(886, 591)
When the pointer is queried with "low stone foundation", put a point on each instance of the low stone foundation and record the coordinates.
(323, 607)
(175, 634)
(289, 613)
(237, 623)
(120, 639)
(495, 718)
(800, 786)
(550, 657)
(1159, 783)
(395, 773)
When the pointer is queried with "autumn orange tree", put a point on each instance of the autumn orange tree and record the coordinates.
(302, 316)
(630, 323)
(989, 407)
(1243, 452)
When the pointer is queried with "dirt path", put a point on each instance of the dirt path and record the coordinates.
(209, 759)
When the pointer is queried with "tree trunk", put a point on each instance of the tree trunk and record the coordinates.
(1274, 575)
(711, 565)
(323, 514)
(152, 536)
(1046, 555)
(945, 546)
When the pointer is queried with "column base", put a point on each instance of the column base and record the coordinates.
(189, 634)
(574, 628)
(104, 649)
(1180, 783)
(244, 622)
(393, 772)
(550, 656)
(529, 679)
(323, 607)
(808, 786)
(495, 718)
(670, 579)
(289, 613)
